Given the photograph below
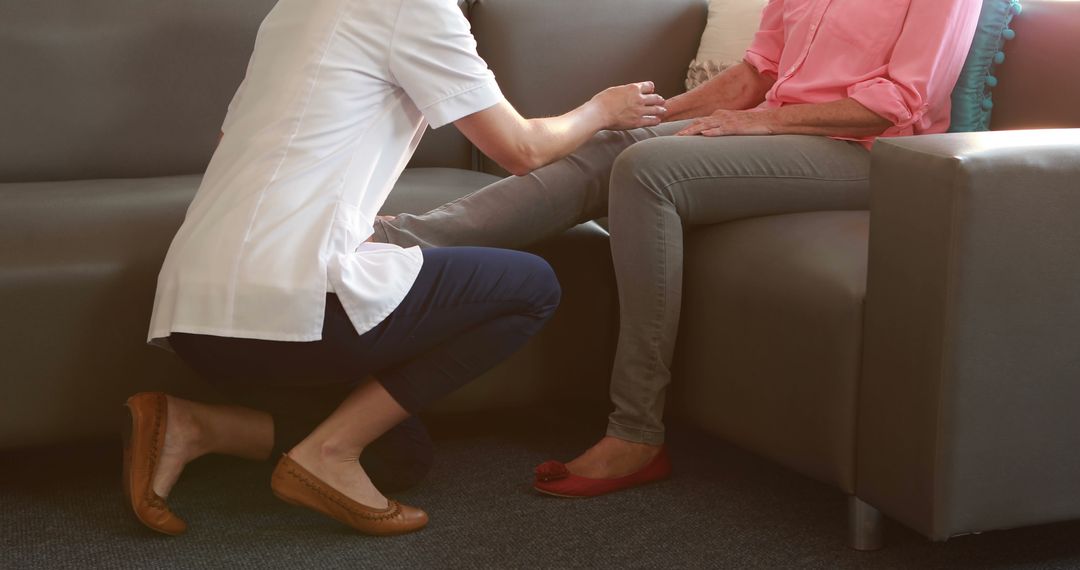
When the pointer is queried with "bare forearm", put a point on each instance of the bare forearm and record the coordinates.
(549, 139)
(737, 87)
(522, 145)
(843, 118)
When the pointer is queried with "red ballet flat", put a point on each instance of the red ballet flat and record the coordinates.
(553, 478)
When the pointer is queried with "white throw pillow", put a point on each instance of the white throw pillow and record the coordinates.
(729, 31)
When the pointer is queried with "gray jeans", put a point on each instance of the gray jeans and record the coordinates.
(652, 187)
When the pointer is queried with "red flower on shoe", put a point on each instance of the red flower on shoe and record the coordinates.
(551, 471)
(553, 478)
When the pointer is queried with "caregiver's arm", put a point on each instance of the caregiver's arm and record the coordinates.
(842, 118)
(522, 145)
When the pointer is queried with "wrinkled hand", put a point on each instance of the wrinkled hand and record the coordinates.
(726, 123)
(630, 106)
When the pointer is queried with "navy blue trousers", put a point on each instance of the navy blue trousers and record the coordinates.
(469, 309)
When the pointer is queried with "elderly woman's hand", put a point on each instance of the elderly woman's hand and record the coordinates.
(726, 123)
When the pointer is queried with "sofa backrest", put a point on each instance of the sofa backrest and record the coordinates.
(130, 88)
(1039, 84)
(552, 55)
(118, 88)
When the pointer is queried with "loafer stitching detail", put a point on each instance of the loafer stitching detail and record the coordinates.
(152, 499)
(395, 507)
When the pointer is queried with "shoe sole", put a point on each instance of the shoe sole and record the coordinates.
(562, 496)
(299, 502)
(289, 501)
(125, 440)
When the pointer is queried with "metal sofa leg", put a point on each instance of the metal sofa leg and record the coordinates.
(864, 525)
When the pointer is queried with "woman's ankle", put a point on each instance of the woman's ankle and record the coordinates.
(338, 466)
(325, 452)
(187, 428)
(228, 430)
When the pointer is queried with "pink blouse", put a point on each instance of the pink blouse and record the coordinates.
(898, 58)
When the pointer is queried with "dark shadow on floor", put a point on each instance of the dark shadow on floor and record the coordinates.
(724, 508)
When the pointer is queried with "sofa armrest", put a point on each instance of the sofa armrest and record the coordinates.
(971, 372)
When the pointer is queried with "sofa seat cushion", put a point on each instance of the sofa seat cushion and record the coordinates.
(769, 344)
(422, 189)
(571, 358)
(78, 269)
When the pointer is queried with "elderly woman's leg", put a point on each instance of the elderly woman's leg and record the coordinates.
(521, 210)
(659, 189)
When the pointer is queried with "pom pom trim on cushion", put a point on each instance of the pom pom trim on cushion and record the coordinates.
(972, 99)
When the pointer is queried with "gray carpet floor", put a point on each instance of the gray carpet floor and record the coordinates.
(61, 508)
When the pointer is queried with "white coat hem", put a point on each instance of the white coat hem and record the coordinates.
(160, 338)
(362, 315)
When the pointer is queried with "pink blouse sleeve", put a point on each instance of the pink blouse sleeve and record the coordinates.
(925, 63)
(764, 52)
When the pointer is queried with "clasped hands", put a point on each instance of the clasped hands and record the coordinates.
(638, 105)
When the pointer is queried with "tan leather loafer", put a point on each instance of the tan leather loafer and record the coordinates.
(297, 486)
(143, 441)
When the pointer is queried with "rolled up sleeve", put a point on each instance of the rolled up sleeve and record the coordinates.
(926, 62)
(764, 51)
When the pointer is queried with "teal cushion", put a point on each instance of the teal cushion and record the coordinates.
(971, 99)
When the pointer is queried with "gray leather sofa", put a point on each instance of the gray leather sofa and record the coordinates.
(941, 394)
(116, 111)
(942, 390)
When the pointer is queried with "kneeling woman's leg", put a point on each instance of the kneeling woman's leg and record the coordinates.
(468, 310)
(398, 460)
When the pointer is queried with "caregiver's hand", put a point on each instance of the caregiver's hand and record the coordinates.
(522, 145)
(630, 106)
